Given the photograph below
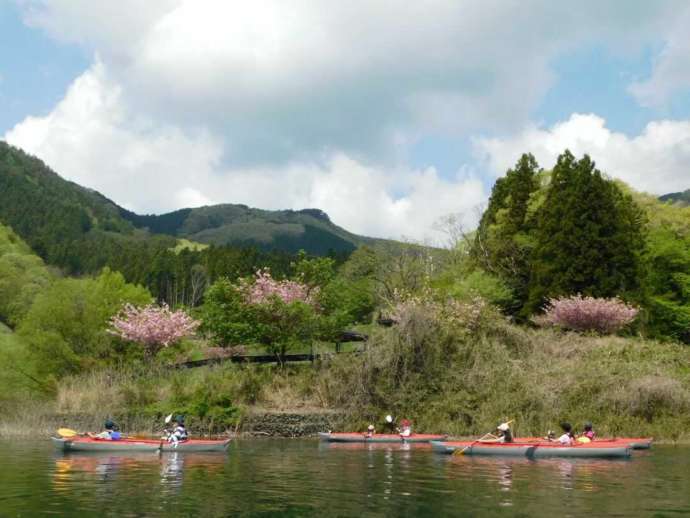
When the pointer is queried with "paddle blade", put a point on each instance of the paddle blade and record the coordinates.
(67, 432)
(168, 419)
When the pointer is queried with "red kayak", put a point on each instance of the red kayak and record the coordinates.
(597, 449)
(636, 443)
(142, 445)
(379, 437)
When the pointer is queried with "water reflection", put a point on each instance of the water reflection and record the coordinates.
(305, 478)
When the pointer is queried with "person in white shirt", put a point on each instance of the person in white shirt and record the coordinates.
(567, 438)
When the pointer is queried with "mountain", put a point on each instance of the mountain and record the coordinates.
(680, 198)
(228, 224)
(60, 219)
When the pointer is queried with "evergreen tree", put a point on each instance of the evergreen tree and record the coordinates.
(503, 243)
(588, 237)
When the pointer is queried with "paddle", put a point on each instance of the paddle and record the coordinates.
(167, 421)
(67, 432)
(462, 452)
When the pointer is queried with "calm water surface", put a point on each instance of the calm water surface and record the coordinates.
(267, 477)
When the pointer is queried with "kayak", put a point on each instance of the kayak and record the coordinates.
(597, 449)
(379, 437)
(143, 445)
(636, 443)
(478, 448)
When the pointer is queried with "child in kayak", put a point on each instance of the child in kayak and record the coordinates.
(370, 431)
(405, 429)
(179, 433)
(111, 432)
(503, 434)
(587, 435)
(567, 438)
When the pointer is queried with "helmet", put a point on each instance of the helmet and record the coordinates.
(389, 418)
(370, 427)
(108, 425)
(588, 425)
(179, 419)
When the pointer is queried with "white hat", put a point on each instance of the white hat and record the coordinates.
(370, 427)
(389, 418)
(503, 427)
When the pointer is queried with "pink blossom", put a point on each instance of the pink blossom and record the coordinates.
(152, 326)
(265, 287)
(588, 314)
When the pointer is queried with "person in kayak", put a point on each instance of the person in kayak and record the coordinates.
(179, 433)
(503, 434)
(567, 438)
(405, 429)
(370, 431)
(111, 432)
(589, 433)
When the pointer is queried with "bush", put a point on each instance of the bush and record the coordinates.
(605, 316)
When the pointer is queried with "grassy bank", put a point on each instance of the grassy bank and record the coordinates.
(450, 376)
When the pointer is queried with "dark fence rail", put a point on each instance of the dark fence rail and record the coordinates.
(345, 337)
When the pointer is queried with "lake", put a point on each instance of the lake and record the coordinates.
(302, 477)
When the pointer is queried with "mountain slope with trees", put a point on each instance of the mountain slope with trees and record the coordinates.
(57, 217)
(678, 198)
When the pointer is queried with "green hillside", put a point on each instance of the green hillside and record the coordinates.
(677, 198)
(228, 224)
(55, 217)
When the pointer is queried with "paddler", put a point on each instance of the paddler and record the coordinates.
(111, 432)
(370, 431)
(503, 434)
(179, 433)
(405, 429)
(567, 438)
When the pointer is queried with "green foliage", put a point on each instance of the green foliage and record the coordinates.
(22, 276)
(65, 329)
(589, 237)
(478, 283)
(504, 240)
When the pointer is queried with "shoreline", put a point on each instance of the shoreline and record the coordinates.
(256, 423)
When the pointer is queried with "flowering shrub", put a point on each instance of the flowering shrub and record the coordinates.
(461, 315)
(588, 314)
(264, 288)
(152, 326)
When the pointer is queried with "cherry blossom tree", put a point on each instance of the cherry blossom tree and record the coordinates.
(152, 326)
(579, 313)
(264, 287)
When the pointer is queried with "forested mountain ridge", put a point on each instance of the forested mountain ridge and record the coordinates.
(56, 217)
(679, 198)
(239, 225)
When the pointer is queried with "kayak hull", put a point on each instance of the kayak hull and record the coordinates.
(533, 450)
(472, 448)
(636, 443)
(379, 438)
(137, 445)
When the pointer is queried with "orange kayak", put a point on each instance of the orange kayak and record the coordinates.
(636, 443)
(378, 437)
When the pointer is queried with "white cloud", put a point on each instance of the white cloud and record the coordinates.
(671, 72)
(92, 139)
(311, 104)
(656, 161)
(280, 80)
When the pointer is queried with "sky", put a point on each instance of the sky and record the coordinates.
(388, 115)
